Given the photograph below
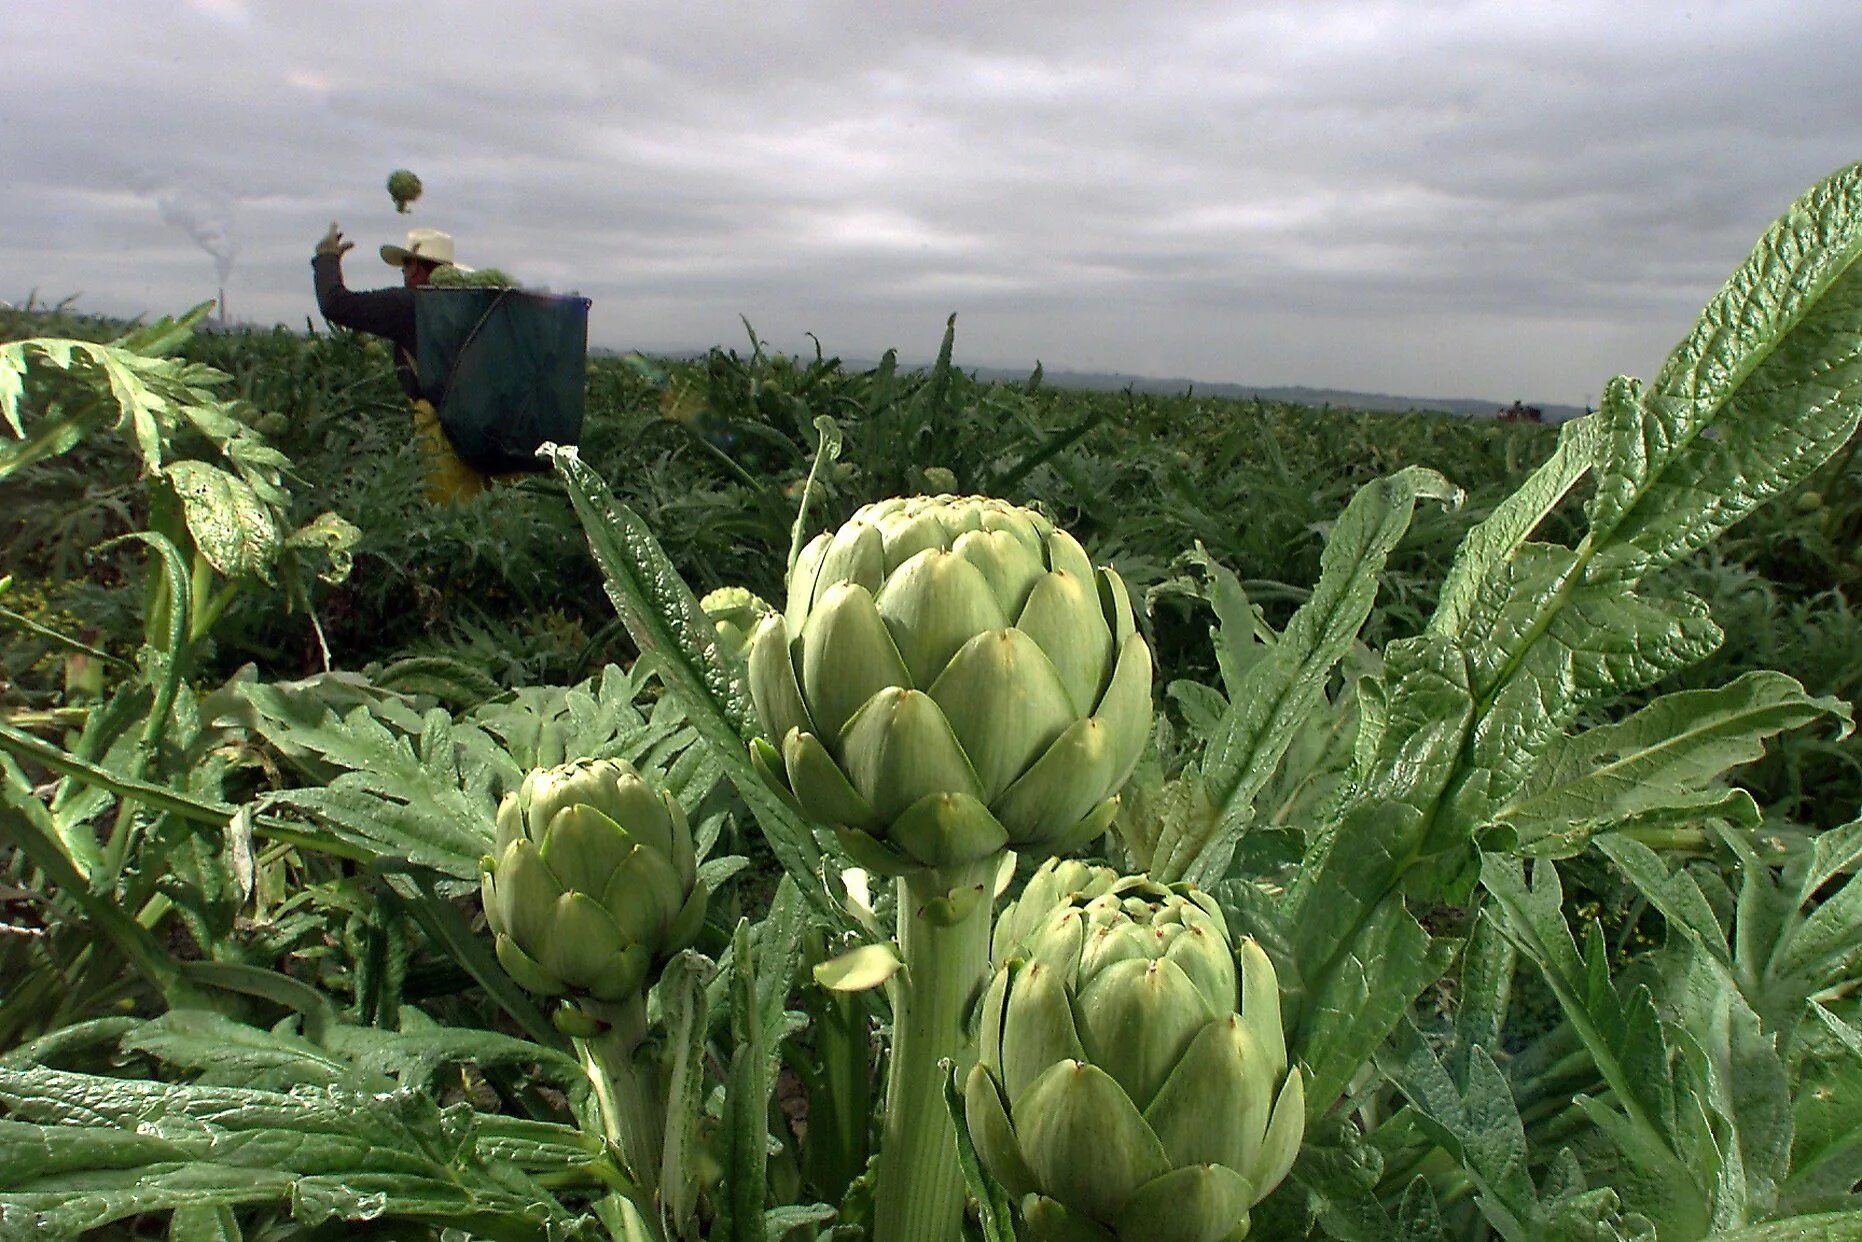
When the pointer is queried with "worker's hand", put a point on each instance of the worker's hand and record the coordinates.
(333, 242)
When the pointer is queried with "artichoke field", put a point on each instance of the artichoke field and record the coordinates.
(246, 995)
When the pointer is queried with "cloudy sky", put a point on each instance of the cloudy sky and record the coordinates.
(1485, 199)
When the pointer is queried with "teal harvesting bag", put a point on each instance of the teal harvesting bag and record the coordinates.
(507, 370)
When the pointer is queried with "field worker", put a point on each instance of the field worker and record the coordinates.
(389, 313)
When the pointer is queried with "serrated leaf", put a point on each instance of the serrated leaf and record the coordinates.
(1623, 1034)
(79, 1152)
(1827, 941)
(1558, 645)
(1675, 894)
(1742, 1084)
(1824, 1227)
(236, 531)
(1668, 755)
(666, 623)
(1478, 1124)
(1279, 691)
(1498, 538)
(1773, 367)
(1362, 996)
(422, 801)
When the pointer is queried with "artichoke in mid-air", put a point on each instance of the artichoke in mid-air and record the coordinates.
(952, 677)
(403, 188)
(594, 881)
(1132, 1080)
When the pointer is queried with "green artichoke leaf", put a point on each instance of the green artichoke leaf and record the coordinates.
(774, 687)
(1085, 1143)
(1260, 1001)
(922, 532)
(1038, 1028)
(1214, 1107)
(1198, 1203)
(525, 970)
(1285, 1130)
(1139, 1017)
(933, 604)
(583, 848)
(644, 897)
(898, 748)
(1125, 707)
(866, 850)
(1065, 555)
(986, 1114)
(524, 892)
(1003, 732)
(1010, 566)
(1044, 1220)
(848, 657)
(819, 786)
(1064, 617)
(948, 830)
(1063, 786)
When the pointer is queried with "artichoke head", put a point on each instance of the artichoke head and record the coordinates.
(952, 677)
(735, 612)
(1132, 1079)
(593, 883)
(403, 187)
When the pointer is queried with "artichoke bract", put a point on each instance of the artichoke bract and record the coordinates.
(1132, 1079)
(594, 882)
(951, 677)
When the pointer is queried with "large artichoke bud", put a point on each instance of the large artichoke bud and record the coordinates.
(952, 677)
(593, 883)
(1132, 1081)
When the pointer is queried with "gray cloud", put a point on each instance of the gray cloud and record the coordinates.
(1434, 198)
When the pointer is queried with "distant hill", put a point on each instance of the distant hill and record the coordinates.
(1118, 381)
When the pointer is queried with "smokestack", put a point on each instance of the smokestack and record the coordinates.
(204, 215)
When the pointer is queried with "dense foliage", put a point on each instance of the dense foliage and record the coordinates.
(1517, 761)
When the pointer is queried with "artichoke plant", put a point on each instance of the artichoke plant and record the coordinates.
(951, 677)
(1132, 1080)
(593, 882)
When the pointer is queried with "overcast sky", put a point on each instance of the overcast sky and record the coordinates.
(1444, 199)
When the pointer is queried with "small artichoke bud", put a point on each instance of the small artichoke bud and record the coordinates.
(735, 612)
(403, 188)
(1058, 883)
(593, 883)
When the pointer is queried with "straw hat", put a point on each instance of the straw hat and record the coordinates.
(429, 244)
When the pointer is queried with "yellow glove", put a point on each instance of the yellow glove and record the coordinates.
(333, 243)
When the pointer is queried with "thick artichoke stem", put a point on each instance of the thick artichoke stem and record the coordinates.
(920, 1194)
(627, 1093)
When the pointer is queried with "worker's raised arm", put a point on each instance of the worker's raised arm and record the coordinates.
(383, 312)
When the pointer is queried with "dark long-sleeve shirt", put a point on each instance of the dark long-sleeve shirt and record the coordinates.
(385, 313)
